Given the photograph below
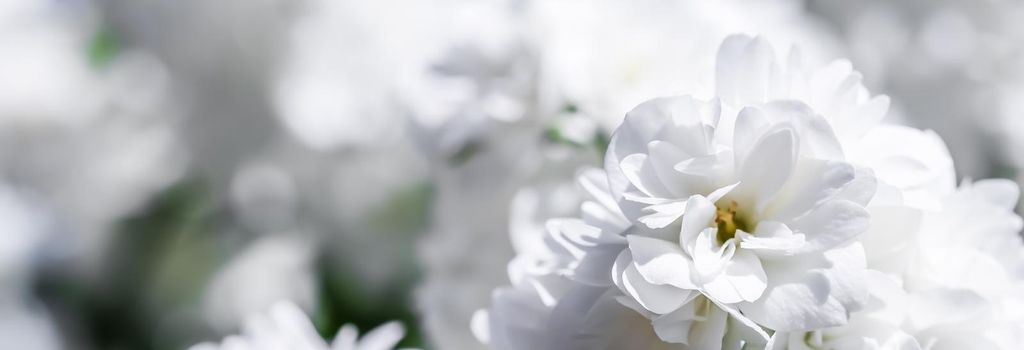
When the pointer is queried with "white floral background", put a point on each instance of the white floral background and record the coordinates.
(511, 174)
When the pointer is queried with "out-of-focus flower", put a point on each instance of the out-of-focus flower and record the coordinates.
(953, 66)
(603, 58)
(73, 103)
(278, 267)
(286, 327)
(338, 85)
(475, 84)
(23, 320)
(27, 325)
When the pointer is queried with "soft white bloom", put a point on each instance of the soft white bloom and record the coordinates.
(112, 122)
(26, 225)
(338, 83)
(273, 268)
(953, 66)
(478, 82)
(605, 57)
(286, 327)
(771, 204)
(27, 325)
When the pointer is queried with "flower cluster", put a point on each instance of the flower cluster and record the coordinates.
(782, 213)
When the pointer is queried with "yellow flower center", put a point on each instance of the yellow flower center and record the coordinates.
(728, 222)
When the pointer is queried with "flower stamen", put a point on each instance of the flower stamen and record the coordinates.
(728, 222)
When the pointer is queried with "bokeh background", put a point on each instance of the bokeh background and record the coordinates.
(168, 167)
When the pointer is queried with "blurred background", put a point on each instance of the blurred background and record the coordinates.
(168, 167)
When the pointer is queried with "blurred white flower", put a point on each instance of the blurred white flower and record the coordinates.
(605, 57)
(277, 267)
(953, 66)
(337, 85)
(477, 81)
(286, 327)
(264, 196)
(109, 116)
(27, 325)
(26, 226)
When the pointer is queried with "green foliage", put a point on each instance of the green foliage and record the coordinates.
(343, 302)
(465, 153)
(155, 265)
(103, 47)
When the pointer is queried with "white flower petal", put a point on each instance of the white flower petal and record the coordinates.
(769, 165)
(813, 182)
(663, 157)
(675, 327)
(659, 299)
(595, 183)
(745, 70)
(999, 192)
(946, 306)
(750, 124)
(709, 257)
(699, 216)
(771, 239)
(664, 214)
(661, 262)
(831, 224)
(811, 292)
(384, 337)
(742, 279)
(709, 334)
(737, 315)
(638, 171)
(638, 128)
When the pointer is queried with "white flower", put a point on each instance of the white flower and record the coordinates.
(337, 83)
(478, 84)
(27, 325)
(26, 226)
(516, 73)
(272, 268)
(114, 126)
(953, 66)
(771, 204)
(720, 220)
(286, 327)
